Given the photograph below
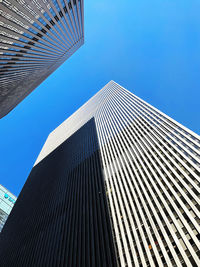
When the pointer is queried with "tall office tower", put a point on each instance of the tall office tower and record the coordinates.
(118, 181)
(7, 201)
(36, 37)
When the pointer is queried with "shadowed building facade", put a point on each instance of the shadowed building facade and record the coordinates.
(36, 37)
(116, 184)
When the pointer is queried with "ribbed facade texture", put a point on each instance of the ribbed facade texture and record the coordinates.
(36, 37)
(116, 184)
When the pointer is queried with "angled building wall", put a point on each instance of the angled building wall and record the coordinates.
(61, 217)
(36, 37)
(146, 175)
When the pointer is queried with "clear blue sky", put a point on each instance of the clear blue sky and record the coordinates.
(152, 48)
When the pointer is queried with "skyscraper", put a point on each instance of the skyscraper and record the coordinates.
(116, 183)
(36, 37)
(7, 201)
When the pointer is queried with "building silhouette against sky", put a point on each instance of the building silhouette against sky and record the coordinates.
(116, 184)
(36, 37)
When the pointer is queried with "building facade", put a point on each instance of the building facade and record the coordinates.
(7, 201)
(116, 184)
(36, 37)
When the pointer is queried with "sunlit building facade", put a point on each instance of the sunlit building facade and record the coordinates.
(116, 184)
(7, 201)
(36, 37)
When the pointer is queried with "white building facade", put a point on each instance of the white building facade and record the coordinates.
(116, 155)
(151, 166)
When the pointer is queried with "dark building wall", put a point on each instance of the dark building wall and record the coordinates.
(36, 37)
(61, 216)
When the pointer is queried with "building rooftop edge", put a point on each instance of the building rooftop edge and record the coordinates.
(8, 190)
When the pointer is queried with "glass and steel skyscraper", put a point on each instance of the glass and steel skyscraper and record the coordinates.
(36, 37)
(7, 201)
(117, 183)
